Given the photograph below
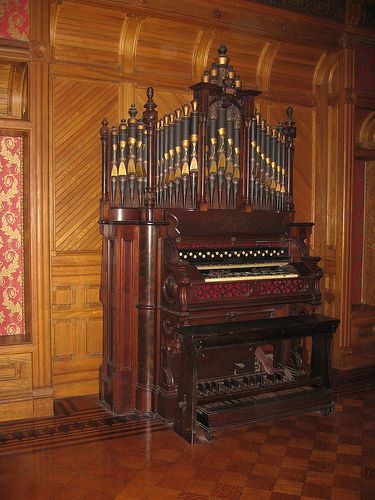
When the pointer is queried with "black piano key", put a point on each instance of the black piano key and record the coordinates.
(201, 388)
(234, 383)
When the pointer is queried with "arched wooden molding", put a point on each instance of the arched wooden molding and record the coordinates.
(13, 89)
(367, 131)
(55, 11)
(201, 52)
(128, 43)
(4, 88)
(333, 79)
(18, 90)
(326, 72)
(264, 68)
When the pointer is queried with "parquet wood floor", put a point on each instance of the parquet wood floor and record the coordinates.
(307, 456)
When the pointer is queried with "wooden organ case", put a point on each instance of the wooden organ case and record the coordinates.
(208, 288)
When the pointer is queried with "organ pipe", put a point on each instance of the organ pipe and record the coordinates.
(203, 150)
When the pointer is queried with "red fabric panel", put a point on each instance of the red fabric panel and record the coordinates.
(14, 19)
(11, 241)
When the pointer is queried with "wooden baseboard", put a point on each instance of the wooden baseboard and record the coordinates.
(354, 380)
(76, 384)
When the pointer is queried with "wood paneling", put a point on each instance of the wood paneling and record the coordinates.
(87, 34)
(76, 323)
(362, 336)
(303, 178)
(294, 67)
(128, 42)
(15, 374)
(15, 386)
(105, 57)
(79, 107)
(4, 88)
(166, 47)
(332, 125)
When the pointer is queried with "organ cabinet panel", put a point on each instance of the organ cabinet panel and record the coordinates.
(197, 219)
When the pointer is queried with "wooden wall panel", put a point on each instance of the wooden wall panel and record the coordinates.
(64, 339)
(329, 284)
(303, 178)
(365, 128)
(293, 69)
(93, 336)
(332, 177)
(25, 363)
(15, 386)
(87, 34)
(15, 373)
(4, 88)
(76, 324)
(166, 48)
(79, 107)
(362, 335)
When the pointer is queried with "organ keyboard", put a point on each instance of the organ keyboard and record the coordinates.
(255, 274)
(241, 264)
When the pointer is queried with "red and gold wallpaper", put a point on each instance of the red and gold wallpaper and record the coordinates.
(11, 241)
(14, 19)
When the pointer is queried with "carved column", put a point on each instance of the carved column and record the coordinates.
(39, 207)
(148, 258)
(344, 184)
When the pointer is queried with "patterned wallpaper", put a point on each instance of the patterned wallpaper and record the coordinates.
(11, 242)
(14, 19)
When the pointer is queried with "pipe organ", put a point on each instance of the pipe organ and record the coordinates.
(215, 151)
(196, 215)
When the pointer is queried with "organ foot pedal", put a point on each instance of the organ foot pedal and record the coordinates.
(233, 374)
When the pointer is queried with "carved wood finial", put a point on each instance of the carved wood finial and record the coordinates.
(289, 129)
(222, 50)
(150, 116)
(104, 133)
(104, 129)
(133, 111)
